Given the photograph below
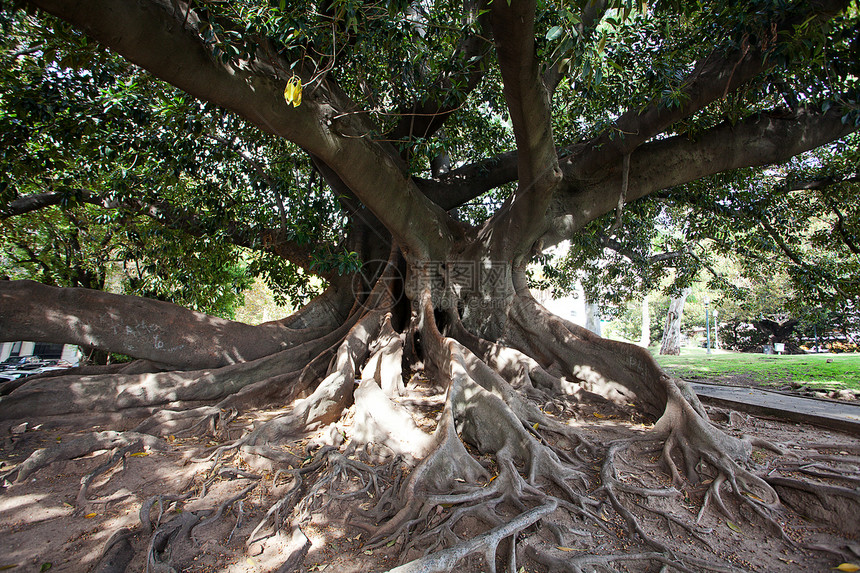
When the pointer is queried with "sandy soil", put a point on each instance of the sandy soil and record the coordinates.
(43, 528)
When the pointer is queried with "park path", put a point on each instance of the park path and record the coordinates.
(832, 414)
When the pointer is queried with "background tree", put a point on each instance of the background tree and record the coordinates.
(775, 240)
(444, 146)
(671, 340)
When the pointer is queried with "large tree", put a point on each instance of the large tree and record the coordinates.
(457, 142)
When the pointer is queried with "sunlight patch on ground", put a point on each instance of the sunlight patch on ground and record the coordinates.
(20, 507)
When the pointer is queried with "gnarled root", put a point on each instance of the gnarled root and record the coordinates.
(486, 544)
(325, 404)
(705, 448)
(79, 447)
(117, 553)
(498, 468)
(181, 530)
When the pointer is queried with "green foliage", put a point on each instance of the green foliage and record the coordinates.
(631, 59)
(56, 247)
(776, 239)
(147, 178)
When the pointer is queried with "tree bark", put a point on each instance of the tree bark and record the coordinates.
(450, 300)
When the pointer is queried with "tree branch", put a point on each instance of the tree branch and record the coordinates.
(424, 118)
(465, 183)
(269, 240)
(847, 239)
(614, 244)
(526, 98)
(763, 139)
(144, 328)
(519, 222)
(712, 79)
(163, 40)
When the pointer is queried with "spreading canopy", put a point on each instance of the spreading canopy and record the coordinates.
(532, 120)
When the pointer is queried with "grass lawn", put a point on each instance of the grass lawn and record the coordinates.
(813, 371)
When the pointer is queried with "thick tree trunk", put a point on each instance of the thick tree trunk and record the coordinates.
(455, 306)
(671, 343)
(142, 328)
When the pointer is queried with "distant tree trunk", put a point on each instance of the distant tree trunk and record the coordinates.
(645, 338)
(672, 333)
(95, 356)
(592, 317)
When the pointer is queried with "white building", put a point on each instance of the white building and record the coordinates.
(46, 350)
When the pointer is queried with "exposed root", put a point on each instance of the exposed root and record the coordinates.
(180, 531)
(385, 365)
(447, 466)
(593, 562)
(146, 509)
(332, 395)
(118, 454)
(165, 540)
(223, 507)
(78, 447)
(611, 486)
(486, 544)
(498, 461)
(695, 530)
(117, 553)
(821, 501)
(333, 472)
(379, 420)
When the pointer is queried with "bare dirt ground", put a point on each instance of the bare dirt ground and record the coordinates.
(45, 524)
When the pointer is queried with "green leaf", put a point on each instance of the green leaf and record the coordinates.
(45, 567)
(554, 33)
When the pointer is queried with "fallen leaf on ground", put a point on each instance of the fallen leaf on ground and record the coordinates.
(733, 527)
